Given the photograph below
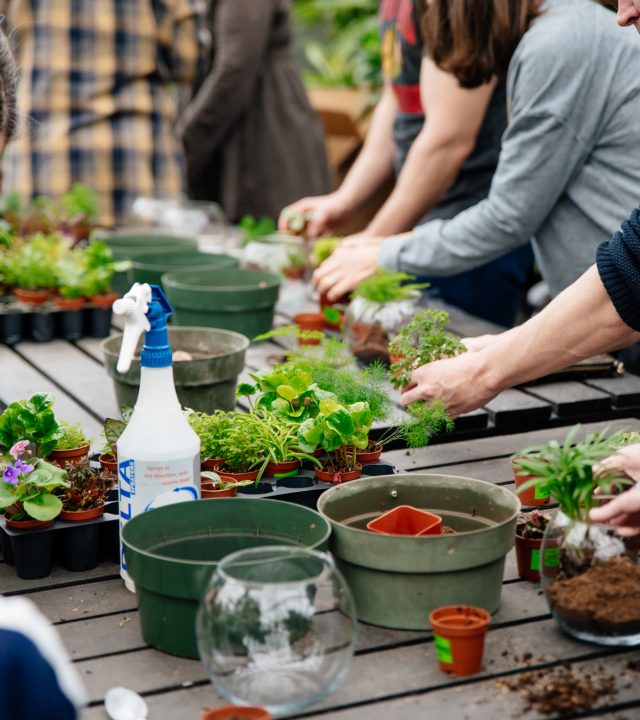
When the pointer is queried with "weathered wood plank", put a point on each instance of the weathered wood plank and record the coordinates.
(78, 374)
(10, 583)
(625, 389)
(20, 380)
(491, 447)
(92, 347)
(572, 399)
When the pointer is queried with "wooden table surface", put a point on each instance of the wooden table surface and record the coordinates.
(394, 674)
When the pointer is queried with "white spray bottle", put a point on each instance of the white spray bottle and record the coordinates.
(158, 452)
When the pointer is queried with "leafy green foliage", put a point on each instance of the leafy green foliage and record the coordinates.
(421, 341)
(32, 265)
(211, 429)
(73, 437)
(241, 449)
(33, 495)
(387, 286)
(80, 200)
(87, 487)
(31, 420)
(253, 227)
(566, 470)
(113, 428)
(323, 249)
(532, 525)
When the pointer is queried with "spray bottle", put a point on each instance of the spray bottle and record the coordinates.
(158, 453)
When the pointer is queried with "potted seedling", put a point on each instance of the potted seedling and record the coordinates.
(458, 637)
(535, 494)
(72, 447)
(32, 265)
(296, 266)
(242, 451)
(98, 273)
(380, 306)
(85, 496)
(32, 420)
(70, 271)
(214, 486)
(212, 430)
(78, 210)
(296, 221)
(422, 340)
(590, 575)
(529, 534)
(112, 430)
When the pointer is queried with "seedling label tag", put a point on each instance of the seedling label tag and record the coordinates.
(443, 650)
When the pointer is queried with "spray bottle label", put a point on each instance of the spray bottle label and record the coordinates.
(147, 484)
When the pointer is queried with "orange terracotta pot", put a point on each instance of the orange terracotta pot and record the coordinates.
(275, 469)
(534, 496)
(238, 477)
(29, 524)
(528, 558)
(70, 303)
(32, 297)
(212, 463)
(368, 457)
(208, 491)
(74, 456)
(108, 463)
(309, 321)
(406, 520)
(340, 476)
(233, 712)
(104, 301)
(294, 273)
(458, 633)
(82, 515)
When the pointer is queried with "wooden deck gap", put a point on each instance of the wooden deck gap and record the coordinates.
(58, 586)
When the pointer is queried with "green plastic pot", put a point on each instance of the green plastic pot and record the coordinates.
(129, 245)
(206, 383)
(150, 266)
(240, 300)
(171, 553)
(397, 581)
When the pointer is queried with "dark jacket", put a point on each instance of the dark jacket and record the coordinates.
(252, 140)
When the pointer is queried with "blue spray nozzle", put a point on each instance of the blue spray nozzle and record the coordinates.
(145, 309)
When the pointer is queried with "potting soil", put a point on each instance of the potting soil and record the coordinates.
(603, 599)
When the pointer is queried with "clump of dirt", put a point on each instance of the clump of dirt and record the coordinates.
(561, 691)
(601, 600)
(369, 343)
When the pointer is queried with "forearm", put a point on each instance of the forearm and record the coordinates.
(374, 165)
(580, 322)
(429, 171)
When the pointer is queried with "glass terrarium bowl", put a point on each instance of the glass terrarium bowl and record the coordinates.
(591, 580)
(276, 627)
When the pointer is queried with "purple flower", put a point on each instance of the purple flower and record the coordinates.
(10, 475)
(19, 449)
(22, 467)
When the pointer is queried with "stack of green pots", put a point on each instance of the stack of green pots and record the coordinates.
(149, 267)
(240, 300)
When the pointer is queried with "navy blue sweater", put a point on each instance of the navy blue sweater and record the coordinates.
(619, 267)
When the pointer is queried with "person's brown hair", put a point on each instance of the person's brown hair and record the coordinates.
(475, 39)
(8, 91)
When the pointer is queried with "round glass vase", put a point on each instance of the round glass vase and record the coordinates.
(591, 580)
(276, 627)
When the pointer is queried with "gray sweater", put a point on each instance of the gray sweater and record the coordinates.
(569, 168)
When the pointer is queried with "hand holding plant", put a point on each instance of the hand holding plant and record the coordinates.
(27, 484)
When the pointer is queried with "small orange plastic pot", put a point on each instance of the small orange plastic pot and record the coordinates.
(309, 321)
(528, 558)
(340, 476)
(406, 520)
(233, 712)
(458, 635)
(282, 469)
(534, 496)
(368, 457)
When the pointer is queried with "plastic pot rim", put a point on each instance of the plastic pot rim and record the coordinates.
(173, 279)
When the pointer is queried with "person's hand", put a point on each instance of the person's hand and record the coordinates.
(346, 269)
(459, 382)
(475, 344)
(360, 239)
(623, 512)
(326, 213)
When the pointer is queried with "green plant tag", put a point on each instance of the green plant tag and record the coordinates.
(443, 649)
(551, 557)
(291, 473)
(331, 315)
(542, 493)
(535, 560)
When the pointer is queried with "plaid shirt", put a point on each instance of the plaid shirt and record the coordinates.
(94, 99)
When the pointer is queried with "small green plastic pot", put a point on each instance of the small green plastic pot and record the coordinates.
(150, 266)
(205, 383)
(171, 553)
(130, 245)
(240, 300)
(396, 580)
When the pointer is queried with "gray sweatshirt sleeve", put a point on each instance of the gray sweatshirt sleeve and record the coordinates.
(540, 153)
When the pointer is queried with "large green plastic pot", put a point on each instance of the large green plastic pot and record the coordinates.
(206, 383)
(396, 580)
(129, 245)
(150, 266)
(240, 300)
(171, 553)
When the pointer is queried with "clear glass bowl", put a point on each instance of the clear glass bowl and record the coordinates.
(591, 580)
(276, 627)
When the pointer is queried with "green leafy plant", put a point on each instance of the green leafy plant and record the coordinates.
(72, 437)
(220, 484)
(71, 274)
(421, 341)
(87, 487)
(253, 227)
(296, 259)
(566, 470)
(532, 525)
(417, 427)
(241, 449)
(387, 286)
(113, 428)
(31, 420)
(99, 269)
(27, 485)
(80, 200)
(324, 249)
(32, 264)
(211, 429)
